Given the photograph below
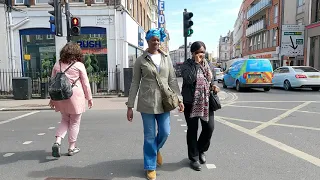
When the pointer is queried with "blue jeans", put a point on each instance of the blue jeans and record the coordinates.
(152, 141)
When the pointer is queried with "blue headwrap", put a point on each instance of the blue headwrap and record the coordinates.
(156, 32)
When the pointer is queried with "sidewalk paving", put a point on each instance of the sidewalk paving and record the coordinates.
(109, 103)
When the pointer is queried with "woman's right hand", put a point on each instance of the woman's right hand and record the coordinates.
(90, 103)
(129, 114)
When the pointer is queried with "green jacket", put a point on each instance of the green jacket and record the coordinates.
(149, 97)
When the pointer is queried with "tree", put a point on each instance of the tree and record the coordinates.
(94, 63)
(87, 63)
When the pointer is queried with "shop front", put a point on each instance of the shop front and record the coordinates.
(272, 56)
(313, 34)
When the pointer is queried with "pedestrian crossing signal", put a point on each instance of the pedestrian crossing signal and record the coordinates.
(75, 26)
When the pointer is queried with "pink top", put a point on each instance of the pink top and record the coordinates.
(81, 91)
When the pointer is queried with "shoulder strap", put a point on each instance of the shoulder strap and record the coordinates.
(155, 73)
(68, 67)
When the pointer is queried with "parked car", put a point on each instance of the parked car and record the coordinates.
(249, 73)
(289, 77)
(219, 74)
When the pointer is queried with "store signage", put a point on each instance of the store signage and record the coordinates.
(90, 44)
(140, 37)
(161, 18)
(264, 56)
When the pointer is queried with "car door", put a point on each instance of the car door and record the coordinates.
(284, 72)
(227, 77)
(276, 76)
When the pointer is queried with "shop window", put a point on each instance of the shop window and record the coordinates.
(39, 37)
(99, 1)
(133, 54)
(19, 2)
(50, 36)
(42, 1)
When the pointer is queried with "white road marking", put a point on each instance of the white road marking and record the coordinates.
(8, 154)
(176, 115)
(41, 134)
(18, 117)
(183, 125)
(2, 109)
(274, 101)
(277, 144)
(179, 119)
(280, 109)
(255, 107)
(275, 124)
(224, 105)
(278, 118)
(51, 127)
(185, 130)
(211, 166)
(242, 120)
(27, 142)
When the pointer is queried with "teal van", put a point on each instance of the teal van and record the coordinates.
(249, 73)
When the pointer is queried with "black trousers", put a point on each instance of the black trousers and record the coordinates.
(195, 145)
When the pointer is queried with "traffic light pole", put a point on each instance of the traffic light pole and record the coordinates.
(67, 12)
(185, 44)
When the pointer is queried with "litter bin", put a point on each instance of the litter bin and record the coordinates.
(127, 76)
(22, 88)
(44, 90)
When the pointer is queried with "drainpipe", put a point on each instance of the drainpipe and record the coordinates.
(280, 31)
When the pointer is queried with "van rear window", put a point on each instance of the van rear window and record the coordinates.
(259, 65)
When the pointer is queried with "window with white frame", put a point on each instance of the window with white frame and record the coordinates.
(99, 1)
(275, 13)
(300, 6)
(19, 1)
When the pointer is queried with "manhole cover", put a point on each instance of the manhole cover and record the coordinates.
(55, 178)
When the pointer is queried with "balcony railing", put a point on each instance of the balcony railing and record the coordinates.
(256, 28)
(258, 7)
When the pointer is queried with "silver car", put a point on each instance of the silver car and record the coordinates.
(219, 74)
(289, 77)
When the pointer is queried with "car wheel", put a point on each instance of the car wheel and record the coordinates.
(315, 89)
(224, 84)
(238, 88)
(287, 85)
(267, 89)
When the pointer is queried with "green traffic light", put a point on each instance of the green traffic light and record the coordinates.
(190, 31)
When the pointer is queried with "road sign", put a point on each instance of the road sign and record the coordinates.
(292, 41)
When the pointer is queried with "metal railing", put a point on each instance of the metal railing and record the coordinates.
(263, 4)
(102, 82)
(255, 28)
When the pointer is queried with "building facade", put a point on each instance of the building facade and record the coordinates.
(4, 45)
(237, 35)
(312, 34)
(224, 49)
(111, 30)
(177, 56)
(261, 30)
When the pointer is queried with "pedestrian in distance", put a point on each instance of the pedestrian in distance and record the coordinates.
(71, 63)
(198, 80)
(150, 99)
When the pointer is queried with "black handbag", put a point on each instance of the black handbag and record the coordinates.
(214, 101)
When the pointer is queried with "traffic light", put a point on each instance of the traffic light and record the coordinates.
(187, 24)
(56, 18)
(75, 26)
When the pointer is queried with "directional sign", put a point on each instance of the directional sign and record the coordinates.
(292, 41)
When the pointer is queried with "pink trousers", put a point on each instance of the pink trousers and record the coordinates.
(69, 123)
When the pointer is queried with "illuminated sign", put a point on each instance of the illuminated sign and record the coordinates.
(161, 19)
(90, 44)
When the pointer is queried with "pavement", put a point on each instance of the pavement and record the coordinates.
(258, 135)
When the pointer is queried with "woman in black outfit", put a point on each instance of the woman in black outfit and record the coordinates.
(198, 80)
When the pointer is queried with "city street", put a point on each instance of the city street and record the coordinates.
(258, 135)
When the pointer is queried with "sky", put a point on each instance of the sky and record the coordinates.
(211, 18)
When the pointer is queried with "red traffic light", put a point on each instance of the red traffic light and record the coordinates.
(75, 21)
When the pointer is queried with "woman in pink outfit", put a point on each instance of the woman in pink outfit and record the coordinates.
(71, 109)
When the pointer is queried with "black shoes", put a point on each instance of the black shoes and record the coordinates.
(195, 165)
(202, 158)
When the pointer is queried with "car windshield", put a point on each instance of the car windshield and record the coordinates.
(304, 69)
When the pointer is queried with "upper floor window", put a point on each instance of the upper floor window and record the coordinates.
(300, 21)
(318, 11)
(300, 6)
(275, 13)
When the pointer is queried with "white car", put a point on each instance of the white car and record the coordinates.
(219, 74)
(289, 77)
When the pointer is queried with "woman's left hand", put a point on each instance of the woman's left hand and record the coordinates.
(181, 107)
(51, 104)
(215, 88)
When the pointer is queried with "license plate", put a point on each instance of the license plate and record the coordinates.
(254, 75)
(315, 76)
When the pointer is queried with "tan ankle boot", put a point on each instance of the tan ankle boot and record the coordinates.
(151, 174)
(159, 159)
